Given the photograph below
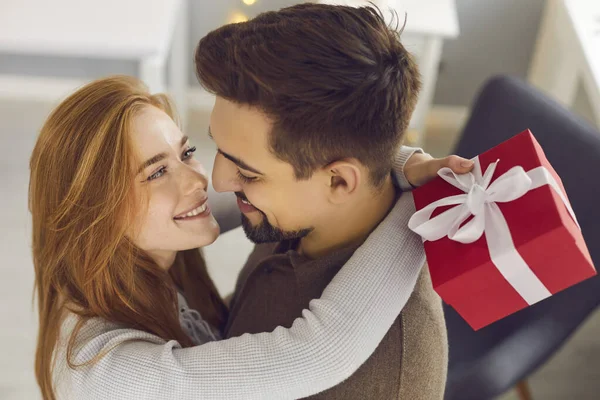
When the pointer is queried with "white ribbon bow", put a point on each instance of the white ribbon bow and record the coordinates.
(479, 201)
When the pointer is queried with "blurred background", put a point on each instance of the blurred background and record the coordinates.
(50, 47)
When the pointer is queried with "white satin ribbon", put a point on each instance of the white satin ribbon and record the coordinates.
(479, 201)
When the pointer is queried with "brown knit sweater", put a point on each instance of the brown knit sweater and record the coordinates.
(277, 283)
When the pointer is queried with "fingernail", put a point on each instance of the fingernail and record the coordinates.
(466, 163)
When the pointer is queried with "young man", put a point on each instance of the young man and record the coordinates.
(312, 105)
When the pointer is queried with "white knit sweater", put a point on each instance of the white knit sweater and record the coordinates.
(322, 348)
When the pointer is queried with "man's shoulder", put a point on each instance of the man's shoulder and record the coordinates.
(425, 343)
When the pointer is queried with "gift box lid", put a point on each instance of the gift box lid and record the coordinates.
(536, 215)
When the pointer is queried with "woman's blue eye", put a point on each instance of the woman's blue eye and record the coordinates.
(157, 174)
(188, 153)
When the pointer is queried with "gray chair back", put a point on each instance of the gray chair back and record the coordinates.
(486, 363)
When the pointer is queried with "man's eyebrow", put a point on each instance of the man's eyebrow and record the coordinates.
(233, 159)
(159, 156)
(239, 162)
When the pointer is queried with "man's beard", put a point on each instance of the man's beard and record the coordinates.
(264, 232)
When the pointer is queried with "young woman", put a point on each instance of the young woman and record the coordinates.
(117, 199)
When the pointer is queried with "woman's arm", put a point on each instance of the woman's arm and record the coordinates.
(403, 158)
(414, 168)
(322, 348)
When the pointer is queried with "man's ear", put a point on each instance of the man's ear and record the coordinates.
(344, 177)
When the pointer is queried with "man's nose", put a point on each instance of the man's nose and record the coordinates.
(224, 176)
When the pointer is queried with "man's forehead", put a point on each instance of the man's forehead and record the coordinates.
(239, 120)
(241, 132)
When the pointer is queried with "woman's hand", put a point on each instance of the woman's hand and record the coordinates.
(421, 168)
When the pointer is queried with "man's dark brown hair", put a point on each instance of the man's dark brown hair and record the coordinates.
(335, 81)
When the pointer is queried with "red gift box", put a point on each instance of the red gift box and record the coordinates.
(486, 283)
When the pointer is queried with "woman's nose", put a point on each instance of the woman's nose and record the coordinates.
(194, 180)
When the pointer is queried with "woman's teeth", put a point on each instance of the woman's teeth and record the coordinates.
(246, 202)
(194, 212)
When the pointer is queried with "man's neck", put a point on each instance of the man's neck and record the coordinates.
(351, 228)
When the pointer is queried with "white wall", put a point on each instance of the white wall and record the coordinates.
(496, 37)
(205, 15)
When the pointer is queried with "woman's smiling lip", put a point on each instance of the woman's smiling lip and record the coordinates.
(197, 206)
